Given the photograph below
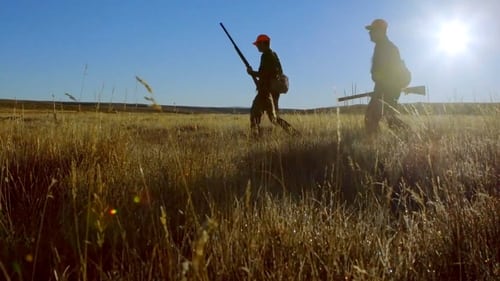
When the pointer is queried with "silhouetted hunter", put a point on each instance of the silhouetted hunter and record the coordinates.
(267, 98)
(390, 75)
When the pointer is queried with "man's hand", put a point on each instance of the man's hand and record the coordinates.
(250, 71)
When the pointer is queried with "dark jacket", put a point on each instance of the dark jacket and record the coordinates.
(386, 63)
(268, 69)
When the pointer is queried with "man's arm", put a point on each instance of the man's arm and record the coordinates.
(252, 72)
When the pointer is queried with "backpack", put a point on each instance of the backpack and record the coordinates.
(280, 83)
(404, 75)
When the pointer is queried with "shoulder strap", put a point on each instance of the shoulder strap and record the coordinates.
(278, 63)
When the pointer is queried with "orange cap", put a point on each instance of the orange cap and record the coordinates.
(262, 38)
(378, 24)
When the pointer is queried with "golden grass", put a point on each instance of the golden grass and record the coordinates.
(192, 197)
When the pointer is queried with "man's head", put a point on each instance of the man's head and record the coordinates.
(377, 30)
(263, 42)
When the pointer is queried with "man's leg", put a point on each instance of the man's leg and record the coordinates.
(256, 115)
(276, 99)
(268, 106)
(282, 122)
(373, 113)
(391, 112)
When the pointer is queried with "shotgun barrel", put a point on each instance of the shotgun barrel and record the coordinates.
(239, 52)
(419, 90)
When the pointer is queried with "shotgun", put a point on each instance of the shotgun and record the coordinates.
(239, 53)
(419, 90)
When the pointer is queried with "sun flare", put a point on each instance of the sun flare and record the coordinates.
(453, 37)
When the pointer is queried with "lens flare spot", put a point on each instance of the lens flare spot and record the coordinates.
(28, 258)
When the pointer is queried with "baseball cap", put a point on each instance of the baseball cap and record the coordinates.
(262, 38)
(378, 24)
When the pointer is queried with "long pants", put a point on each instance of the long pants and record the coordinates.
(262, 103)
(383, 103)
(267, 103)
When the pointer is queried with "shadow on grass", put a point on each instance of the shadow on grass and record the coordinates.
(292, 169)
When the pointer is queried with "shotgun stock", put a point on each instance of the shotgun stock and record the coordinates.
(419, 90)
(239, 52)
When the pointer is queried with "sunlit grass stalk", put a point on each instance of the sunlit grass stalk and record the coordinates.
(74, 192)
(40, 228)
(4, 272)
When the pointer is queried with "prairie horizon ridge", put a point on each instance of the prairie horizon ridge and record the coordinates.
(429, 107)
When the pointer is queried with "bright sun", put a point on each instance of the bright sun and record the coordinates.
(453, 37)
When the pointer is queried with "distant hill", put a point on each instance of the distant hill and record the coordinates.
(421, 108)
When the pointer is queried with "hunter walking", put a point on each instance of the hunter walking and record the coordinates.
(267, 98)
(389, 74)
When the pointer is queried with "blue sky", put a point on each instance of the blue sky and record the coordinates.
(179, 48)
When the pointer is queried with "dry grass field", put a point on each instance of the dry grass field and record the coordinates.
(164, 196)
